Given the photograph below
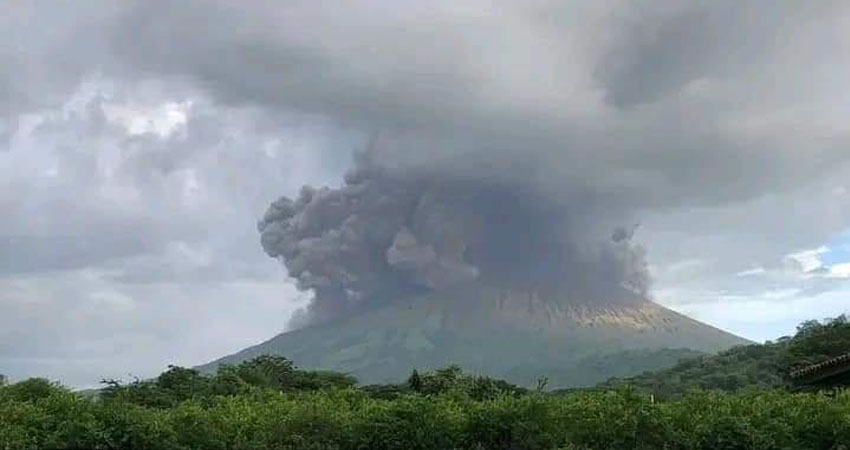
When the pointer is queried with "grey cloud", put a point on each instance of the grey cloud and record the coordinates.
(48, 51)
(615, 110)
(663, 46)
(437, 77)
(80, 327)
(117, 248)
(26, 254)
(79, 189)
(649, 104)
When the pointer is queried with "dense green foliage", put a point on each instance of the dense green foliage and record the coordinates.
(267, 403)
(179, 384)
(816, 341)
(351, 418)
(446, 380)
(758, 366)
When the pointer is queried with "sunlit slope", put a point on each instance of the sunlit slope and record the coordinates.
(513, 335)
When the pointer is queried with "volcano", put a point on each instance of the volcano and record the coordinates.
(425, 268)
(519, 336)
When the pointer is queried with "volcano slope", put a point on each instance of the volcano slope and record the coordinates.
(517, 336)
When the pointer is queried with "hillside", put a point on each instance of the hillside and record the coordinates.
(517, 336)
(751, 366)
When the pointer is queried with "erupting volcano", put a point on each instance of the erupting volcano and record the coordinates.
(412, 267)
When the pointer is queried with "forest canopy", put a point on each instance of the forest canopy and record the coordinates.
(269, 403)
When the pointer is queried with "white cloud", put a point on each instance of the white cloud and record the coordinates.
(161, 120)
(840, 271)
(768, 315)
(812, 264)
(809, 260)
(751, 272)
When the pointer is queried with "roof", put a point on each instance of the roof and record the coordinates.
(839, 363)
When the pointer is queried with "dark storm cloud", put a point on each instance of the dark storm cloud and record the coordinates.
(654, 103)
(600, 111)
(651, 103)
(663, 46)
(46, 51)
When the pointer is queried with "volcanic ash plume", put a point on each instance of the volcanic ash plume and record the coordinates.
(388, 234)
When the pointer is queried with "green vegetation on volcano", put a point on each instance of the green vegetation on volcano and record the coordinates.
(763, 366)
(518, 336)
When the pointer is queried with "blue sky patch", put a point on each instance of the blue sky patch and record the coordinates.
(839, 250)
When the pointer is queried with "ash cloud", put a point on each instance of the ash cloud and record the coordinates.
(388, 233)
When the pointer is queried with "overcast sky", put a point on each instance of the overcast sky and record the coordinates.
(140, 142)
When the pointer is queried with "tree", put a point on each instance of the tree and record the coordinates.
(267, 371)
(817, 341)
(171, 387)
(182, 383)
(313, 380)
(452, 378)
(277, 372)
(415, 381)
(33, 389)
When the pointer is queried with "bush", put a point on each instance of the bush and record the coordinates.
(411, 422)
(32, 389)
(749, 367)
(269, 404)
(351, 418)
(130, 427)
